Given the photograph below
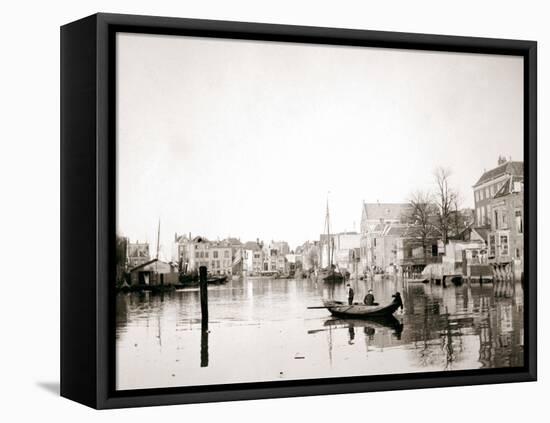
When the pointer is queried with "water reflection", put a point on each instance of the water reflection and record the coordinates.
(260, 329)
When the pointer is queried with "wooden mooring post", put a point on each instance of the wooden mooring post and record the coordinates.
(203, 284)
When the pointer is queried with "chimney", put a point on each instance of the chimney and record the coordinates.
(501, 160)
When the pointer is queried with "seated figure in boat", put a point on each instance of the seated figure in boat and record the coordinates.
(369, 299)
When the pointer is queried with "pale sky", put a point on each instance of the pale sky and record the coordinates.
(236, 138)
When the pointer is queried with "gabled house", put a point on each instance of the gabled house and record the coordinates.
(489, 184)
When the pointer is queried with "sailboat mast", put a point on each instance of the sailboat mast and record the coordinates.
(158, 248)
(327, 219)
(158, 241)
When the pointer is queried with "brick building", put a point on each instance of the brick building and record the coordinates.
(505, 238)
(215, 255)
(253, 258)
(489, 184)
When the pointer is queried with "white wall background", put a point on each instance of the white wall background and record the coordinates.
(29, 175)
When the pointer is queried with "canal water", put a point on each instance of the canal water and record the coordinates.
(261, 330)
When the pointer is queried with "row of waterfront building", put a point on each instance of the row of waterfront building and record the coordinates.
(489, 240)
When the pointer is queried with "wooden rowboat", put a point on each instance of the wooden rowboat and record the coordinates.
(421, 280)
(216, 280)
(362, 311)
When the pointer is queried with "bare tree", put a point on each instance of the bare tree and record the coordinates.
(121, 251)
(446, 201)
(460, 219)
(422, 213)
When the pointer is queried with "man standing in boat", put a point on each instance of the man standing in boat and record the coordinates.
(350, 294)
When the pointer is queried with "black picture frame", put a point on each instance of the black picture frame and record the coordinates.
(88, 208)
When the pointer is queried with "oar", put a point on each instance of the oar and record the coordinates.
(315, 307)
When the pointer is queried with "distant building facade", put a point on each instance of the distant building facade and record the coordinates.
(310, 253)
(411, 256)
(215, 255)
(180, 251)
(393, 247)
(345, 250)
(489, 184)
(253, 258)
(138, 254)
(375, 218)
(275, 257)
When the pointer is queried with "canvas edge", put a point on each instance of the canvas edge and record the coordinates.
(103, 366)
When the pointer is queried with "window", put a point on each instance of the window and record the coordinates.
(206, 254)
(202, 254)
(504, 219)
(196, 254)
(519, 222)
(478, 210)
(518, 253)
(504, 245)
(215, 254)
(487, 192)
(374, 242)
(434, 250)
(483, 215)
(226, 253)
(496, 219)
(492, 190)
(492, 246)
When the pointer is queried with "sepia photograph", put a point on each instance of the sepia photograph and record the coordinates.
(289, 211)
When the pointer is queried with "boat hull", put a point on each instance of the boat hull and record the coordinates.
(331, 276)
(360, 311)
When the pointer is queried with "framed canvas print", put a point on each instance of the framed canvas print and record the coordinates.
(256, 210)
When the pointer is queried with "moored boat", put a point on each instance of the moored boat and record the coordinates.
(419, 280)
(359, 311)
(217, 280)
(330, 276)
(331, 273)
(190, 280)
